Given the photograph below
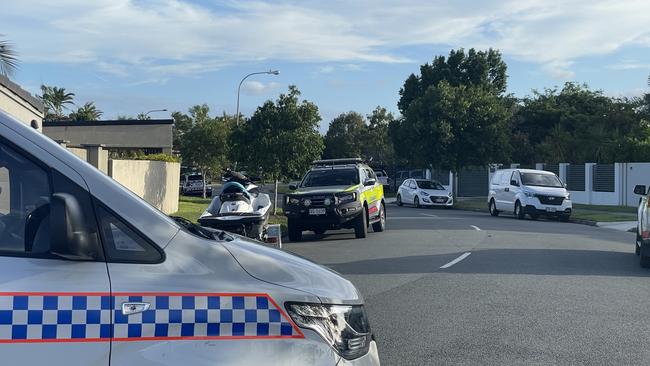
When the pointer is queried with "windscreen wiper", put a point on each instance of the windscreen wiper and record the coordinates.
(201, 231)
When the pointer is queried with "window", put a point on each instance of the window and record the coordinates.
(515, 177)
(331, 177)
(24, 204)
(123, 244)
(496, 179)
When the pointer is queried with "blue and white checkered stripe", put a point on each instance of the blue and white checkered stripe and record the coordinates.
(63, 317)
(55, 317)
(202, 316)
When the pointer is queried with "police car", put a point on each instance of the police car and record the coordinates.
(336, 194)
(92, 275)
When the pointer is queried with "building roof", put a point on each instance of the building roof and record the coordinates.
(120, 122)
(22, 93)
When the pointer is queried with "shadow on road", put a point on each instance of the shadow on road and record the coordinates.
(553, 262)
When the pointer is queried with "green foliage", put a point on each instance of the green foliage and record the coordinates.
(352, 135)
(159, 157)
(281, 137)
(204, 145)
(55, 100)
(345, 136)
(8, 59)
(576, 124)
(455, 113)
(88, 112)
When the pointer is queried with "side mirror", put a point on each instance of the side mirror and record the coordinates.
(513, 182)
(369, 182)
(293, 186)
(639, 189)
(71, 237)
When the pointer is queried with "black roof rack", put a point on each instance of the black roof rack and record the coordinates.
(333, 162)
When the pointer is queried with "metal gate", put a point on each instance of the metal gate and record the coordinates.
(473, 182)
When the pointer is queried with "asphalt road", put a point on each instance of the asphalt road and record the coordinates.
(530, 292)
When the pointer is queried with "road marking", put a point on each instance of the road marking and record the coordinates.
(430, 215)
(463, 256)
(422, 218)
(476, 227)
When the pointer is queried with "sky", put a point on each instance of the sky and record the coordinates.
(131, 56)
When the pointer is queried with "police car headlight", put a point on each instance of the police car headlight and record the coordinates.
(293, 200)
(344, 327)
(346, 197)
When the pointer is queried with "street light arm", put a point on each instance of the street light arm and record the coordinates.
(270, 72)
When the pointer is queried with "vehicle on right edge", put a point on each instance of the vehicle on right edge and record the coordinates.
(529, 192)
(642, 245)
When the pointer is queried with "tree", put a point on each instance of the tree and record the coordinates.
(88, 112)
(8, 60)
(345, 136)
(455, 113)
(377, 143)
(55, 100)
(204, 145)
(281, 136)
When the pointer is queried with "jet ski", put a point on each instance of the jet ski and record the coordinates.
(240, 208)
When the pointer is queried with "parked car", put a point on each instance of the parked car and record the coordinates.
(336, 194)
(642, 245)
(382, 177)
(193, 185)
(424, 192)
(529, 192)
(93, 275)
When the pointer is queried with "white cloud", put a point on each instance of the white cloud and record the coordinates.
(254, 87)
(176, 37)
(629, 65)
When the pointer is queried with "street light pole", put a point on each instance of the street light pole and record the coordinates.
(154, 110)
(270, 72)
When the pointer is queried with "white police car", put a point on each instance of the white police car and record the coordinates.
(90, 275)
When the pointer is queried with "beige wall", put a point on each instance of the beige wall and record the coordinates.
(115, 136)
(155, 181)
(18, 108)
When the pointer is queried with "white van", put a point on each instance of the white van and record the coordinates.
(529, 192)
(90, 274)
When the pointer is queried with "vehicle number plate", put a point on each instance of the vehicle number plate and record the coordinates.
(317, 211)
(440, 200)
(550, 209)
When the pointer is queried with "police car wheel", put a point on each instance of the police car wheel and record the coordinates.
(361, 226)
(380, 225)
(295, 232)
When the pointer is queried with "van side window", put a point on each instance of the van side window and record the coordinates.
(515, 176)
(123, 244)
(496, 179)
(24, 204)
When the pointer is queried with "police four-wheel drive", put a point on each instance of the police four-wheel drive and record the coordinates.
(92, 275)
(336, 194)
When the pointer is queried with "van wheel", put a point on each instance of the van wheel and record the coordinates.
(519, 211)
(380, 225)
(295, 232)
(493, 208)
(416, 202)
(399, 200)
(361, 225)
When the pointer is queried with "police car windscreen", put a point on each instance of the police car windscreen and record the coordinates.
(427, 184)
(540, 180)
(331, 177)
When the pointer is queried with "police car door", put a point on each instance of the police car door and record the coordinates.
(54, 293)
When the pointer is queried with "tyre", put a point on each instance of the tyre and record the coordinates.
(319, 232)
(637, 248)
(295, 232)
(399, 200)
(534, 216)
(519, 211)
(416, 202)
(564, 218)
(361, 225)
(380, 225)
(493, 208)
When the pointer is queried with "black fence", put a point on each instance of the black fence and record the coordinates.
(575, 177)
(604, 178)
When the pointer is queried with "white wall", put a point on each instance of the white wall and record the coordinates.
(155, 181)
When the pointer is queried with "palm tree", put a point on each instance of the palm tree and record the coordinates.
(8, 60)
(88, 112)
(55, 100)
